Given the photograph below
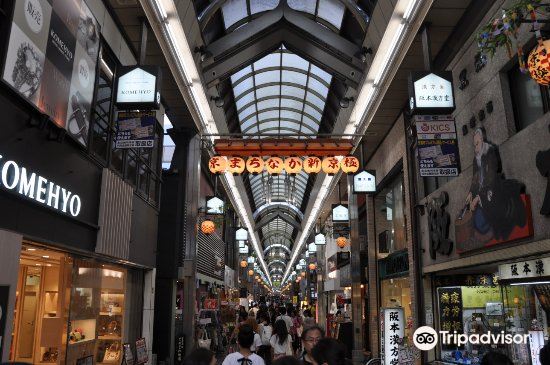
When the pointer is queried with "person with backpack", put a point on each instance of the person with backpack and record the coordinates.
(265, 330)
(244, 356)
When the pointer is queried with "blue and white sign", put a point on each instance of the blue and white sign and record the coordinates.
(135, 129)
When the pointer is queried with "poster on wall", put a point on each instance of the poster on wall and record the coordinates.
(141, 351)
(4, 297)
(136, 129)
(51, 60)
(496, 210)
(437, 146)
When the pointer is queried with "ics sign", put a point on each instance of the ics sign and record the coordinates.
(431, 93)
(138, 87)
(340, 213)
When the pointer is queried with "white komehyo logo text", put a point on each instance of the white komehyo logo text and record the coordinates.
(426, 338)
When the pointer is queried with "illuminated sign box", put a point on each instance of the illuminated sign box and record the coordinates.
(138, 87)
(431, 92)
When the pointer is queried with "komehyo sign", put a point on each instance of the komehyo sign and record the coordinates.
(18, 180)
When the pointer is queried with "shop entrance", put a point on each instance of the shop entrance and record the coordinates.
(39, 311)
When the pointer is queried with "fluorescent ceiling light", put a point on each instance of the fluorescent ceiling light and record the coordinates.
(531, 283)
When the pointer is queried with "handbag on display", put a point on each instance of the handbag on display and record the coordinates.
(205, 342)
(113, 353)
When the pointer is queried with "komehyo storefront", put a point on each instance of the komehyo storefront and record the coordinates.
(69, 308)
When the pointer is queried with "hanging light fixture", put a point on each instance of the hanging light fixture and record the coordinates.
(208, 227)
(312, 266)
(330, 165)
(293, 165)
(537, 62)
(303, 274)
(244, 264)
(341, 241)
(250, 272)
(254, 165)
(312, 165)
(217, 164)
(236, 165)
(274, 165)
(349, 164)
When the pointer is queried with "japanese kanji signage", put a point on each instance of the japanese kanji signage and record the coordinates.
(340, 213)
(437, 145)
(392, 321)
(214, 205)
(431, 93)
(241, 234)
(450, 311)
(364, 182)
(525, 269)
(320, 239)
(135, 129)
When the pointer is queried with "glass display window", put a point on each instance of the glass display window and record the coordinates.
(390, 218)
(397, 293)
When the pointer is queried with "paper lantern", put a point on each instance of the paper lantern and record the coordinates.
(312, 266)
(255, 165)
(293, 165)
(236, 165)
(208, 227)
(341, 242)
(256, 277)
(330, 165)
(312, 165)
(217, 164)
(244, 264)
(538, 63)
(349, 164)
(274, 165)
(303, 274)
(250, 272)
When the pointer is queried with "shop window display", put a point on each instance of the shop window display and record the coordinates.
(397, 293)
(390, 218)
(480, 305)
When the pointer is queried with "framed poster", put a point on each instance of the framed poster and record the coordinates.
(437, 146)
(135, 129)
(141, 351)
(51, 60)
(128, 354)
(4, 299)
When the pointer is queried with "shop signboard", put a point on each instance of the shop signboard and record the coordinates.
(527, 269)
(135, 129)
(241, 234)
(210, 304)
(364, 182)
(214, 205)
(394, 265)
(345, 276)
(179, 350)
(4, 298)
(26, 183)
(340, 213)
(51, 60)
(437, 146)
(138, 87)
(320, 239)
(141, 352)
(243, 250)
(312, 247)
(392, 326)
(431, 92)
(450, 311)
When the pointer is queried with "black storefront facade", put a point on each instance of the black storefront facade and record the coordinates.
(77, 229)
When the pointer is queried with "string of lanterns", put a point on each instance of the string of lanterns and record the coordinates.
(275, 165)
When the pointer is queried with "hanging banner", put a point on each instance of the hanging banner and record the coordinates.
(392, 326)
(214, 205)
(340, 213)
(51, 60)
(437, 145)
(135, 129)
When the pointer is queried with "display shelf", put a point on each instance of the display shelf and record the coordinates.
(112, 314)
(109, 338)
(82, 341)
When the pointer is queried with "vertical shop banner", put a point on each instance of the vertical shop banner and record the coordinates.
(392, 321)
(437, 146)
(51, 60)
(136, 129)
(450, 311)
(141, 351)
(4, 298)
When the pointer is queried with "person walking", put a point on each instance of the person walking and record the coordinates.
(244, 356)
(285, 318)
(200, 357)
(257, 340)
(308, 319)
(310, 337)
(281, 341)
(296, 330)
(265, 330)
(329, 351)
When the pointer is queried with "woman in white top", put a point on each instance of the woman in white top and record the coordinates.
(281, 341)
(265, 330)
(257, 340)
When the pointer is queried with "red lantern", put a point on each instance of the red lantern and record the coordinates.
(217, 164)
(349, 164)
(236, 165)
(341, 242)
(330, 165)
(312, 165)
(537, 62)
(208, 227)
(255, 165)
(244, 264)
(274, 165)
(250, 272)
(293, 165)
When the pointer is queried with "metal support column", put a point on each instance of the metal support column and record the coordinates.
(356, 295)
(143, 42)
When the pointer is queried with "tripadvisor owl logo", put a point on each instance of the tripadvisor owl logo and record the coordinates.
(425, 338)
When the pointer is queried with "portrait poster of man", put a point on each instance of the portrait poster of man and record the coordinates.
(496, 209)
